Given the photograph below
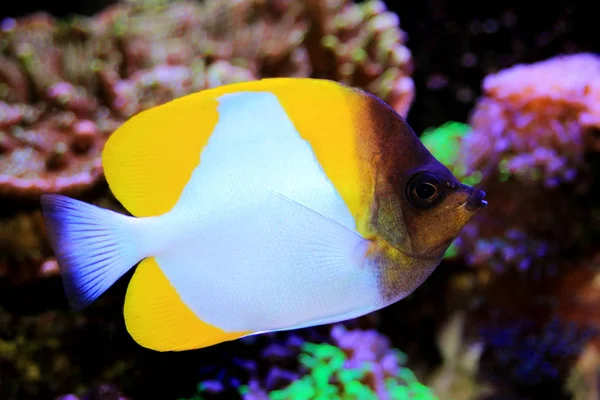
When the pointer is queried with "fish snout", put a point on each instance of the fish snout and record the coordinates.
(475, 202)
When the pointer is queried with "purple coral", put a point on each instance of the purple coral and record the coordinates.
(534, 142)
(537, 121)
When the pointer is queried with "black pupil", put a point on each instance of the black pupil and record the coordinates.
(425, 191)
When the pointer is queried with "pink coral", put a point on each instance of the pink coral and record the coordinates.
(534, 141)
(538, 121)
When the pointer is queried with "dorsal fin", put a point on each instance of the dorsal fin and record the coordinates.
(150, 158)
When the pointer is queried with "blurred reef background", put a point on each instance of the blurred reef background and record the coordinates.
(507, 94)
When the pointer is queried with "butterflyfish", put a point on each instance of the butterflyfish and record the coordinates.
(260, 206)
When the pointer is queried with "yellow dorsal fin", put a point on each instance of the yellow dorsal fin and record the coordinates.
(150, 158)
(156, 317)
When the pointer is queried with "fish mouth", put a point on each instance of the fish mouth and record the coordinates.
(475, 202)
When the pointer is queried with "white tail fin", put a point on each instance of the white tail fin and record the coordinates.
(94, 246)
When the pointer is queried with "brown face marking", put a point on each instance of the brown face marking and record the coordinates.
(408, 242)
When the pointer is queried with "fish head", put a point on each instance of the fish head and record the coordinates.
(435, 208)
(422, 210)
(418, 205)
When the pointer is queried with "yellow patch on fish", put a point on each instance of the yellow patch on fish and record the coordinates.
(161, 321)
(149, 159)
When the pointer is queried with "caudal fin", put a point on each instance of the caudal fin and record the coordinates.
(94, 246)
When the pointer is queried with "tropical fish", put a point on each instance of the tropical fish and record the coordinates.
(260, 206)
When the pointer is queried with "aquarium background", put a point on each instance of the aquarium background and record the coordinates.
(507, 94)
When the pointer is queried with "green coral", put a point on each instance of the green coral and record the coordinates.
(444, 143)
(356, 365)
(331, 378)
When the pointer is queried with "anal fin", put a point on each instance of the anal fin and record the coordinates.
(157, 318)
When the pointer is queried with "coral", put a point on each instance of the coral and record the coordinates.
(445, 142)
(267, 35)
(534, 147)
(533, 329)
(361, 45)
(536, 122)
(91, 73)
(268, 361)
(348, 363)
(55, 153)
(51, 142)
(358, 365)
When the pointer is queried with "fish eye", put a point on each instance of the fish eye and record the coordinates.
(424, 190)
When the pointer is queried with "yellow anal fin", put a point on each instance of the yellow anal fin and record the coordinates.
(157, 318)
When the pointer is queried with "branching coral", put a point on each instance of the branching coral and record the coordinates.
(361, 45)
